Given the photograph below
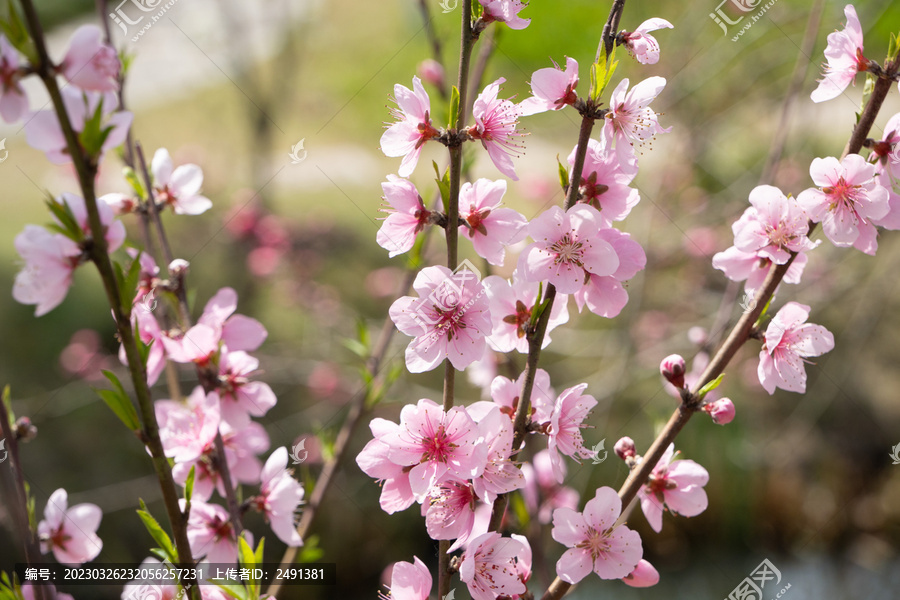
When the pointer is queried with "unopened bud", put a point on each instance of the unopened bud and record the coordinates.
(721, 411)
(672, 368)
(625, 448)
(644, 575)
(432, 71)
(178, 267)
(25, 431)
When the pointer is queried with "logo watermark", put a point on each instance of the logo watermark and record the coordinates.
(148, 302)
(296, 149)
(448, 6)
(450, 595)
(722, 19)
(145, 592)
(130, 13)
(751, 588)
(895, 454)
(4, 153)
(596, 459)
(448, 297)
(296, 458)
(5, 454)
(747, 303)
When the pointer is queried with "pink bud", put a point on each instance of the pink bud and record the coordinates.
(179, 267)
(721, 411)
(644, 575)
(431, 71)
(25, 431)
(672, 368)
(625, 448)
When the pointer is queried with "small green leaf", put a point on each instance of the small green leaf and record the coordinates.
(158, 534)
(414, 258)
(356, 347)
(711, 386)
(135, 182)
(17, 35)
(245, 554)
(93, 136)
(66, 222)
(443, 183)
(189, 485)
(233, 589)
(563, 175)
(454, 107)
(7, 402)
(311, 552)
(893, 48)
(517, 504)
(119, 402)
(258, 555)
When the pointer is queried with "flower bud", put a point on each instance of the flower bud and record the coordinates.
(625, 448)
(432, 71)
(721, 411)
(672, 368)
(178, 267)
(644, 575)
(25, 431)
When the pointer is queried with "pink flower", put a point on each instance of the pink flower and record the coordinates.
(604, 183)
(50, 260)
(511, 308)
(505, 393)
(186, 430)
(13, 102)
(489, 567)
(738, 266)
(439, 446)
(178, 188)
(551, 89)
(594, 543)
(721, 411)
(500, 475)
(847, 201)
(789, 339)
(845, 59)
(407, 216)
(89, 63)
(450, 512)
(571, 409)
(28, 593)
(449, 319)
(630, 118)
(567, 248)
(676, 485)
(279, 497)
(210, 533)
(71, 533)
(43, 131)
(374, 461)
(886, 155)
(641, 44)
(409, 581)
(216, 325)
(413, 127)
(773, 227)
(505, 11)
(495, 126)
(605, 295)
(239, 397)
(644, 575)
(490, 227)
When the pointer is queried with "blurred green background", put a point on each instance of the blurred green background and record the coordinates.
(805, 481)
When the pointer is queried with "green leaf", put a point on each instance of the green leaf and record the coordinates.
(595, 75)
(189, 485)
(93, 135)
(443, 183)
(7, 402)
(563, 174)
(310, 552)
(66, 223)
(158, 534)
(356, 347)
(711, 386)
(454, 107)
(414, 258)
(517, 504)
(17, 34)
(259, 551)
(233, 589)
(29, 505)
(868, 88)
(245, 554)
(893, 48)
(135, 182)
(119, 402)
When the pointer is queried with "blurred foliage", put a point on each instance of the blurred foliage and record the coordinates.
(805, 481)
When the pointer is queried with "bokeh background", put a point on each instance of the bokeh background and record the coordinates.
(805, 481)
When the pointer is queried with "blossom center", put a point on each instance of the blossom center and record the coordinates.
(568, 250)
(438, 447)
